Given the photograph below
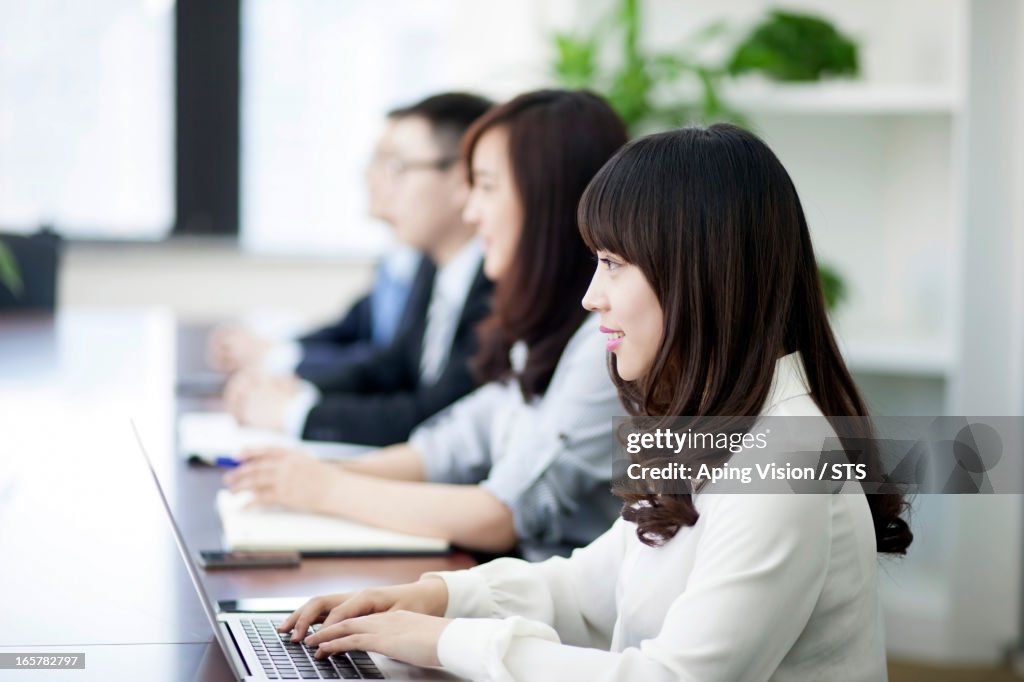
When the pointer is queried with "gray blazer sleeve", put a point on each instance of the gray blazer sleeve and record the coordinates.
(455, 445)
(556, 472)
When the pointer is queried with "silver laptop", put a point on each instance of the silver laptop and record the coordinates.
(256, 651)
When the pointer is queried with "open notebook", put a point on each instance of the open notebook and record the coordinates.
(264, 528)
(204, 436)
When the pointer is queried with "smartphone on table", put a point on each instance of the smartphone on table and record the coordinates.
(218, 559)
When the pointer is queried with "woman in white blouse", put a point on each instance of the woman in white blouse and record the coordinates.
(523, 463)
(707, 288)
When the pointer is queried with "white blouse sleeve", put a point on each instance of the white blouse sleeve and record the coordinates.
(760, 566)
(573, 597)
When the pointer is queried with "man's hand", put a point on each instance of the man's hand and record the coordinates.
(258, 400)
(232, 348)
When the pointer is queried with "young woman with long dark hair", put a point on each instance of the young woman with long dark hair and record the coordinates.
(522, 463)
(708, 291)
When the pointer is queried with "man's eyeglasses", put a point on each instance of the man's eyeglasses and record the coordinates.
(397, 167)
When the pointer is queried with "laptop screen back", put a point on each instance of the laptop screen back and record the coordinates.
(179, 540)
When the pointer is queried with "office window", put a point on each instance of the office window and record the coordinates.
(317, 78)
(86, 117)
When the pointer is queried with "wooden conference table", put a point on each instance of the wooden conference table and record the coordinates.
(87, 560)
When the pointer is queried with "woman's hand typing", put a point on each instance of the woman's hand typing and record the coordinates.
(403, 621)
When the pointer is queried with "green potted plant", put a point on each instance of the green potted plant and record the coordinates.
(10, 275)
(795, 47)
(787, 46)
(635, 86)
(29, 268)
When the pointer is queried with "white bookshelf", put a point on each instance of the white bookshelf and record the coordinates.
(904, 186)
(911, 181)
(843, 98)
(911, 178)
(880, 190)
(899, 356)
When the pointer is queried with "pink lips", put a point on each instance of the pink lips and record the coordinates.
(612, 343)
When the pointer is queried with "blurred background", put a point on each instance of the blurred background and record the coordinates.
(208, 156)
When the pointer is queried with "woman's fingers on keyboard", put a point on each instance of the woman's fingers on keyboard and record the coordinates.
(309, 613)
(362, 604)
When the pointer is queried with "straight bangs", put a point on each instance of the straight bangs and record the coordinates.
(634, 208)
(610, 210)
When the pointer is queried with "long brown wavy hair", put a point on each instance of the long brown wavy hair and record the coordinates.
(557, 141)
(712, 219)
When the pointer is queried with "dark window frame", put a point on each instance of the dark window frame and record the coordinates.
(207, 56)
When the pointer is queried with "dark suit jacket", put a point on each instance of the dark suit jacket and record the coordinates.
(350, 340)
(380, 400)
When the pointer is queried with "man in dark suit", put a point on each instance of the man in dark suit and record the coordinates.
(360, 403)
(369, 325)
(379, 400)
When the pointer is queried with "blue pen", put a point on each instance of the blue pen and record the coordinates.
(226, 462)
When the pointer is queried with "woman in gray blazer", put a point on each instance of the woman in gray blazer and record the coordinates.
(524, 462)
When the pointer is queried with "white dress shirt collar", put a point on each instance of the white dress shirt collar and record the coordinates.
(447, 299)
(455, 277)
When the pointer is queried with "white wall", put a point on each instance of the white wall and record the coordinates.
(203, 281)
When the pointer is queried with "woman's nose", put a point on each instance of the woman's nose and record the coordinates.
(470, 215)
(594, 300)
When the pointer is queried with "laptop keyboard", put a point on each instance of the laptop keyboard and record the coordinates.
(283, 659)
